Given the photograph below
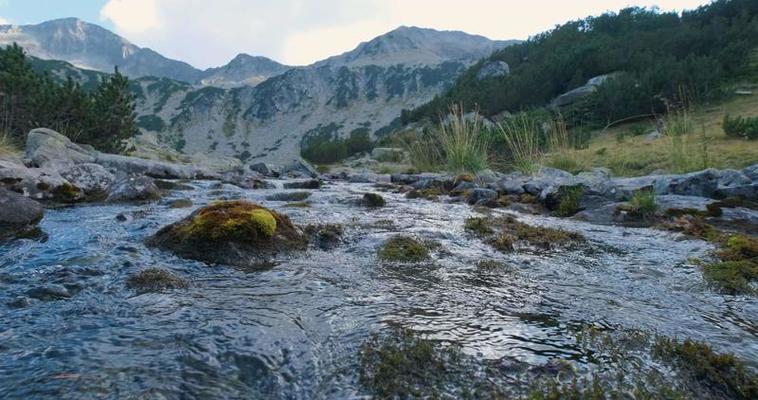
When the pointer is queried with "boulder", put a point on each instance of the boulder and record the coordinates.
(731, 177)
(48, 148)
(18, 214)
(747, 191)
(264, 169)
(238, 233)
(289, 196)
(487, 176)
(93, 179)
(37, 183)
(478, 195)
(751, 172)
(300, 167)
(140, 188)
(493, 69)
(151, 168)
(369, 177)
(581, 92)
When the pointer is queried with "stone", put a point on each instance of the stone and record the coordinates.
(264, 169)
(731, 177)
(653, 136)
(288, 196)
(369, 177)
(18, 214)
(487, 176)
(701, 183)
(151, 168)
(36, 183)
(493, 69)
(477, 195)
(747, 191)
(140, 188)
(581, 92)
(299, 165)
(93, 179)
(48, 293)
(48, 148)
(751, 172)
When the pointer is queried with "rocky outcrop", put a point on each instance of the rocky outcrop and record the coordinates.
(139, 188)
(91, 178)
(37, 183)
(581, 92)
(493, 69)
(50, 149)
(19, 215)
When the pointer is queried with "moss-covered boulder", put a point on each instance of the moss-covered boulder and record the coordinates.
(238, 233)
(373, 200)
(403, 248)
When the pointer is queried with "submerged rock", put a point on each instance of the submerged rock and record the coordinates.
(19, 215)
(373, 200)
(402, 248)
(155, 280)
(238, 233)
(309, 184)
(141, 188)
(289, 196)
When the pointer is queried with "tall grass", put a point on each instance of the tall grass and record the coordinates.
(561, 147)
(686, 152)
(425, 153)
(522, 138)
(464, 144)
(8, 145)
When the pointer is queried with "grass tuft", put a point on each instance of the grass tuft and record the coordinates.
(463, 143)
(521, 137)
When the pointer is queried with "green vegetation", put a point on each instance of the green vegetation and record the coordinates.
(155, 280)
(478, 226)
(741, 127)
(643, 203)
(737, 270)
(522, 138)
(652, 55)
(571, 197)
(403, 249)
(322, 146)
(231, 221)
(427, 194)
(463, 146)
(326, 236)
(723, 372)
(504, 232)
(103, 117)
(8, 145)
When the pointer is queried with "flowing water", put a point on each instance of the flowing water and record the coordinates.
(69, 327)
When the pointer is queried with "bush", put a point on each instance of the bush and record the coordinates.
(326, 149)
(741, 127)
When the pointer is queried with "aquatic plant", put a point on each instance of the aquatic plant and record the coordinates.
(478, 226)
(402, 248)
(155, 280)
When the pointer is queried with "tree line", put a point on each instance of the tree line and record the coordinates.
(103, 117)
(657, 58)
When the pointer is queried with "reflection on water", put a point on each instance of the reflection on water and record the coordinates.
(69, 328)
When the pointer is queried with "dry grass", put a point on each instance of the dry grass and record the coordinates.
(634, 156)
(521, 136)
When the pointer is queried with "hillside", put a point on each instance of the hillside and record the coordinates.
(656, 59)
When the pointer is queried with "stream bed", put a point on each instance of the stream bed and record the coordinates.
(70, 328)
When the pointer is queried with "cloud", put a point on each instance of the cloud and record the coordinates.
(300, 32)
(4, 21)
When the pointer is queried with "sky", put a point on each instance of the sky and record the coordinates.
(298, 32)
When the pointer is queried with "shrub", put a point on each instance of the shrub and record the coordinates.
(326, 149)
(741, 127)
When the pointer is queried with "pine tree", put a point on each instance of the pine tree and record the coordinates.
(113, 111)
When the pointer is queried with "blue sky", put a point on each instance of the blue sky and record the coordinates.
(297, 32)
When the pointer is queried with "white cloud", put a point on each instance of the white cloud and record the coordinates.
(4, 21)
(299, 32)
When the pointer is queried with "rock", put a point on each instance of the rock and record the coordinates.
(368, 177)
(300, 166)
(751, 172)
(701, 183)
(49, 293)
(388, 154)
(731, 177)
(487, 176)
(141, 188)
(48, 148)
(581, 92)
(155, 280)
(511, 184)
(373, 200)
(19, 215)
(477, 195)
(247, 181)
(493, 69)
(741, 215)
(462, 188)
(428, 183)
(37, 183)
(747, 191)
(151, 168)
(310, 184)
(264, 169)
(288, 196)
(93, 179)
(180, 203)
(172, 185)
(238, 233)
(653, 136)
(409, 179)
(672, 203)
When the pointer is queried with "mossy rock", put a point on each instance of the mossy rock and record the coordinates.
(426, 194)
(298, 204)
(67, 193)
(373, 200)
(326, 236)
(155, 280)
(404, 249)
(180, 203)
(239, 233)
(503, 233)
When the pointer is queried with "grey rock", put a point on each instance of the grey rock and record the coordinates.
(747, 191)
(464, 187)
(300, 166)
(731, 177)
(701, 183)
(487, 176)
(36, 183)
(141, 188)
(751, 172)
(48, 148)
(653, 136)
(264, 169)
(48, 293)
(369, 177)
(493, 69)
(477, 195)
(18, 213)
(581, 92)
(93, 179)
(673, 202)
(288, 196)
(741, 215)
(151, 168)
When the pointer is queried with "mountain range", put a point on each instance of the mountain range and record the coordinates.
(254, 108)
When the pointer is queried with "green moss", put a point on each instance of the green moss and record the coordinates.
(403, 249)
(643, 203)
(571, 197)
(180, 203)
(732, 277)
(155, 280)
(694, 226)
(502, 243)
(723, 372)
(232, 220)
(67, 193)
(505, 232)
(298, 204)
(426, 194)
(373, 200)
(477, 226)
